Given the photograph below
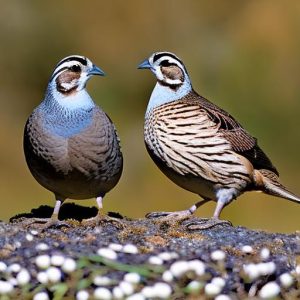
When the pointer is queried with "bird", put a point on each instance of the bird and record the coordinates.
(201, 147)
(70, 144)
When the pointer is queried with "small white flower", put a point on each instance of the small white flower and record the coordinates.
(107, 253)
(5, 287)
(167, 276)
(162, 290)
(149, 292)
(102, 280)
(219, 281)
(126, 287)
(131, 249)
(155, 260)
(82, 295)
(18, 244)
(194, 285)
(286, 280)
(222, 297)
(267, 268)
(179, 267)
(137, 296)
(34, 232)
(102, 293)
(14, 268)
(43, 261)
(197, 266)
(115, 247)
(41, 296)
(13, 281)
(54, 274)
(166, 256)
(42, 277)
(211, 289)
(29, 237)
(247, 249)
(251, 271)
(23, 277)
(69, 265)
(269, 290)
(133, 278)
(57, 260)
(218, 255)
(3, 266)
(265, 253)
(42, 247)
(117, 293)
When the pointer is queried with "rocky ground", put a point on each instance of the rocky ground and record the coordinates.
(145, 259)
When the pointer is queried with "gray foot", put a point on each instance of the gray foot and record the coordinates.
(100, 220)
(169, 216)
(44, 223)
(207, 223)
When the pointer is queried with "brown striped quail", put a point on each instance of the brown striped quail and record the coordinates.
(201, 147)
(71, 146)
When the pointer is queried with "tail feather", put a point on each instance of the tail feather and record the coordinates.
(270, 185)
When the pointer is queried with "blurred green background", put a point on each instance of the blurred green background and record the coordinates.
(242, 55)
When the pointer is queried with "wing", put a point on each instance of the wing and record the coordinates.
(241, 141)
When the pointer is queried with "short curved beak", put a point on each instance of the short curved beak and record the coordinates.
(145, 65)
(96, 71)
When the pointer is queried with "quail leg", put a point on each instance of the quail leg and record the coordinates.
(223, 200)
(45, 223)
(176, 215)
(101, 219)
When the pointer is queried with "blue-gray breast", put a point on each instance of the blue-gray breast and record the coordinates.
(70, 144)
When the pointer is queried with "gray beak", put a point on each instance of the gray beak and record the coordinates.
(145, 65)
(96, 71)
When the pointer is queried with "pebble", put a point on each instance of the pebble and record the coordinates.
(14, 268)
(82, 295)
(5, 287)
(102, 280)
(247, 249)
(167, 276)
(54, 274)
(41, 296)
(133, 278)
(137, 296)
(41, 247)
(23, 277)
(42, 277)
(29, 237)
(126, 287)
(107, 253)
(218, 255)
(269, 290)
(117, 293)
(43, 261)
(102, 293)
(162, 290)
(115, 247)
(212, 290)
(264, 253)
(286, 280)
(3, 266)
(57, 260)
(155, 260)
(69, 265)
(130, 249)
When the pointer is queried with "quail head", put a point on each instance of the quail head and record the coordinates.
(70, 144)
(201, 147)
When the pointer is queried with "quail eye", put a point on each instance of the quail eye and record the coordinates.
(166, 63)
(75, 68)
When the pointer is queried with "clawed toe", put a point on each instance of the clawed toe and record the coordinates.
(169, 216)
(206, 223)
(101, 220)
(44, 223)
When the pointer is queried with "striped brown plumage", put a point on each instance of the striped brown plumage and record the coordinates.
(199, 146)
